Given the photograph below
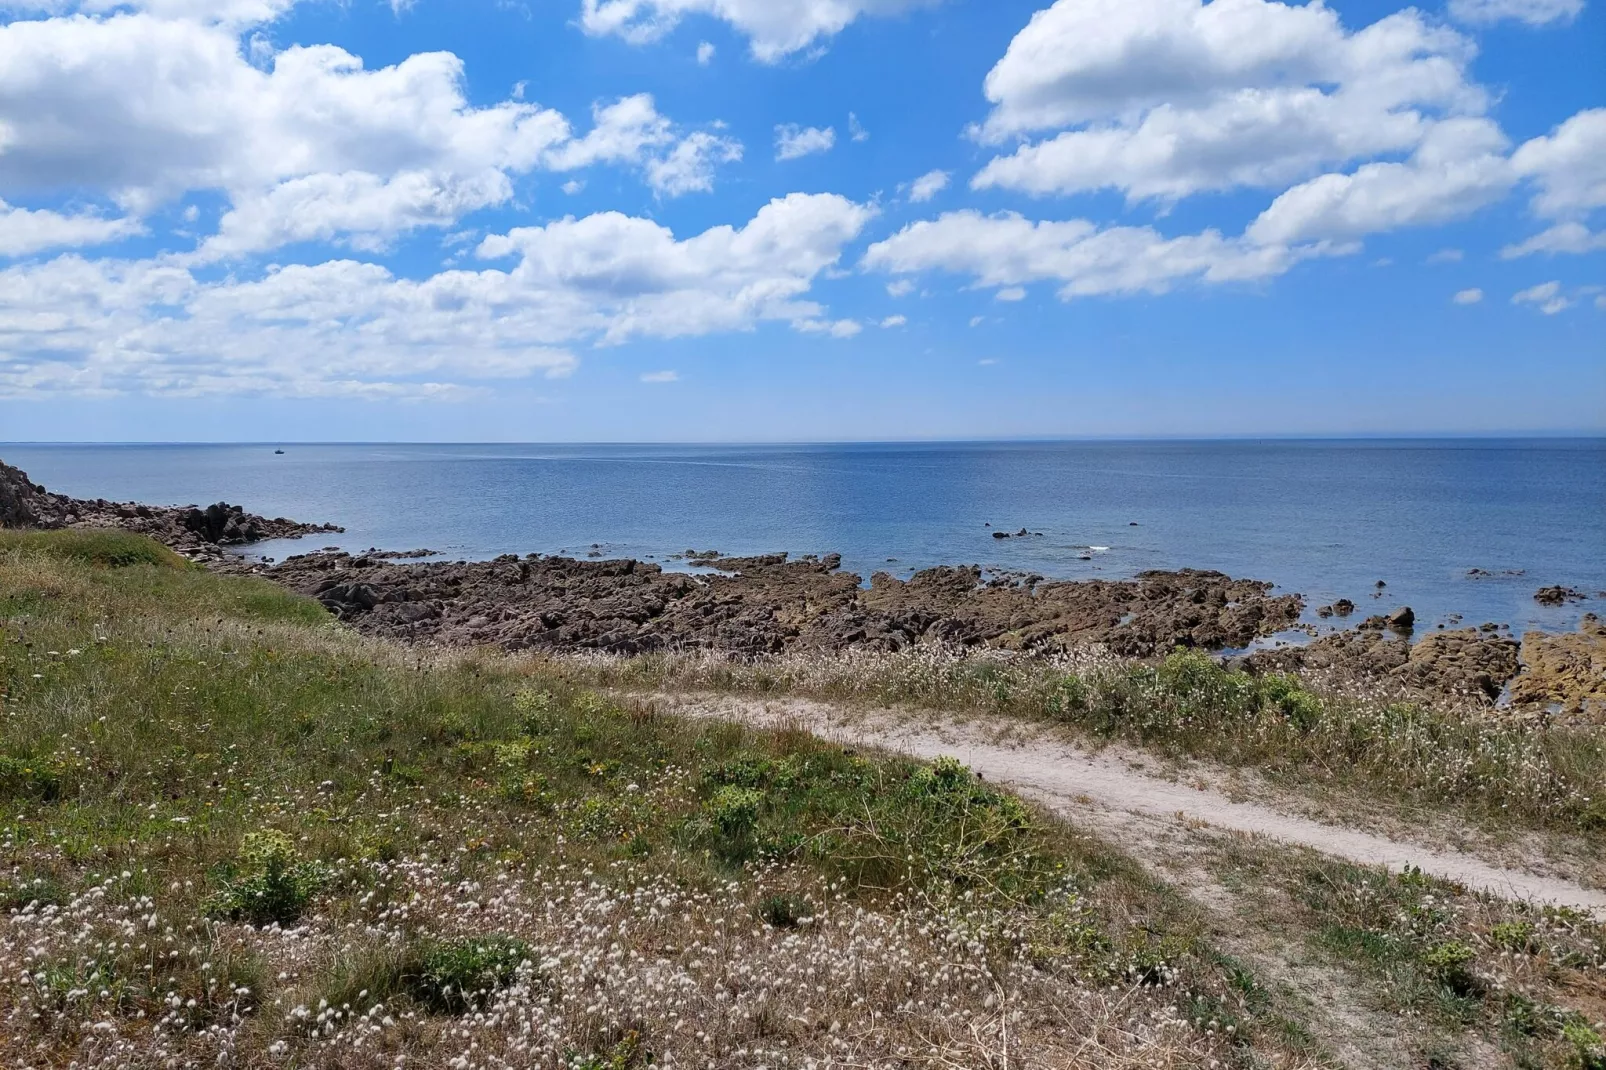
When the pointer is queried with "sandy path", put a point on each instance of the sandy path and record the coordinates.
(1103, 791)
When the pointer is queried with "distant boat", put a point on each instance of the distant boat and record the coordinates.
(278, 451)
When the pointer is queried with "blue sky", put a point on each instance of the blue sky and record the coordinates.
(799, 219)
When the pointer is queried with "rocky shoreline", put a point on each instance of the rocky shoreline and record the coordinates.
(775, 604)
(199, 534)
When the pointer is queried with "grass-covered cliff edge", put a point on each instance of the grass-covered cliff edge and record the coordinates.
(236, 833)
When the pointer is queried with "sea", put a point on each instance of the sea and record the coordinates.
(1463, 531)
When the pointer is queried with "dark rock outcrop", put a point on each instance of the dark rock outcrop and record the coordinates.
(198, 533)
(771, 604)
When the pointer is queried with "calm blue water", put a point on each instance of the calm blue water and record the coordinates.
(1326, 519)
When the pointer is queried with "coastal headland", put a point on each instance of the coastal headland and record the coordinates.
(775, 604)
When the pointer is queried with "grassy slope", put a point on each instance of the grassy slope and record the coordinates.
(1497, 774)
(233, 830)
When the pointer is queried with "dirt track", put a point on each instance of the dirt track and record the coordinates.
(1104, 792)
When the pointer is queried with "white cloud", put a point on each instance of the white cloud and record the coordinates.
(1459, 168)
(705, 53)
(1011, 293)
(900, 288)
(357, 209)
(987, 362)
(1446, 256)
(1533, 12)
(793, 141)
(690, 167)
(1561, 238)
(1568, 166)
(661, 377)
(1547, 296)
(856, 129)
(1173, 97)
(895, 321)
(977, 321)
(928, 186)
(141, 109)
(1089, 60)
(835, 328)
(1468, 297)
(24, 231)
(573, 186)
(1007, 250)
(345, 328)
(234, 13)
(774, 28)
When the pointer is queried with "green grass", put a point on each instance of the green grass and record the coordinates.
(1497, 773)
(219, 753)
(105, 549)
(1527, 978)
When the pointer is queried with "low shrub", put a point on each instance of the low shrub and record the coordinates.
(271, 884)
(454, 976)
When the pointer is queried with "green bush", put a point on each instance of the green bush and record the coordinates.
(1450, 963)
(1515, 936)
(733, 812)
(454, 976)
(272, 883)
(1588, 1049)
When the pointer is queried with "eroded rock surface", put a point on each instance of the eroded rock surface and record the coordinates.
(1566, 670)
(766, 605)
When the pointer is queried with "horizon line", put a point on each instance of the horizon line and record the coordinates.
(1345, 436)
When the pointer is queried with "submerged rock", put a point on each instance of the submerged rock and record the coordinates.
(1558, 596)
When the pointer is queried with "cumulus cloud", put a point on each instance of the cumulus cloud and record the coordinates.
(1468, 297)
(793, 141)
(139, 109)
(895, 321)
(357, 209)
(705, 53)
(1172, 97)
(928, 186)
(1533, 12)
(355, 329)
(24, 231)
(1007, 250)
(661, 377)
(1568, 166)
(775, 29)
(1459, 168)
